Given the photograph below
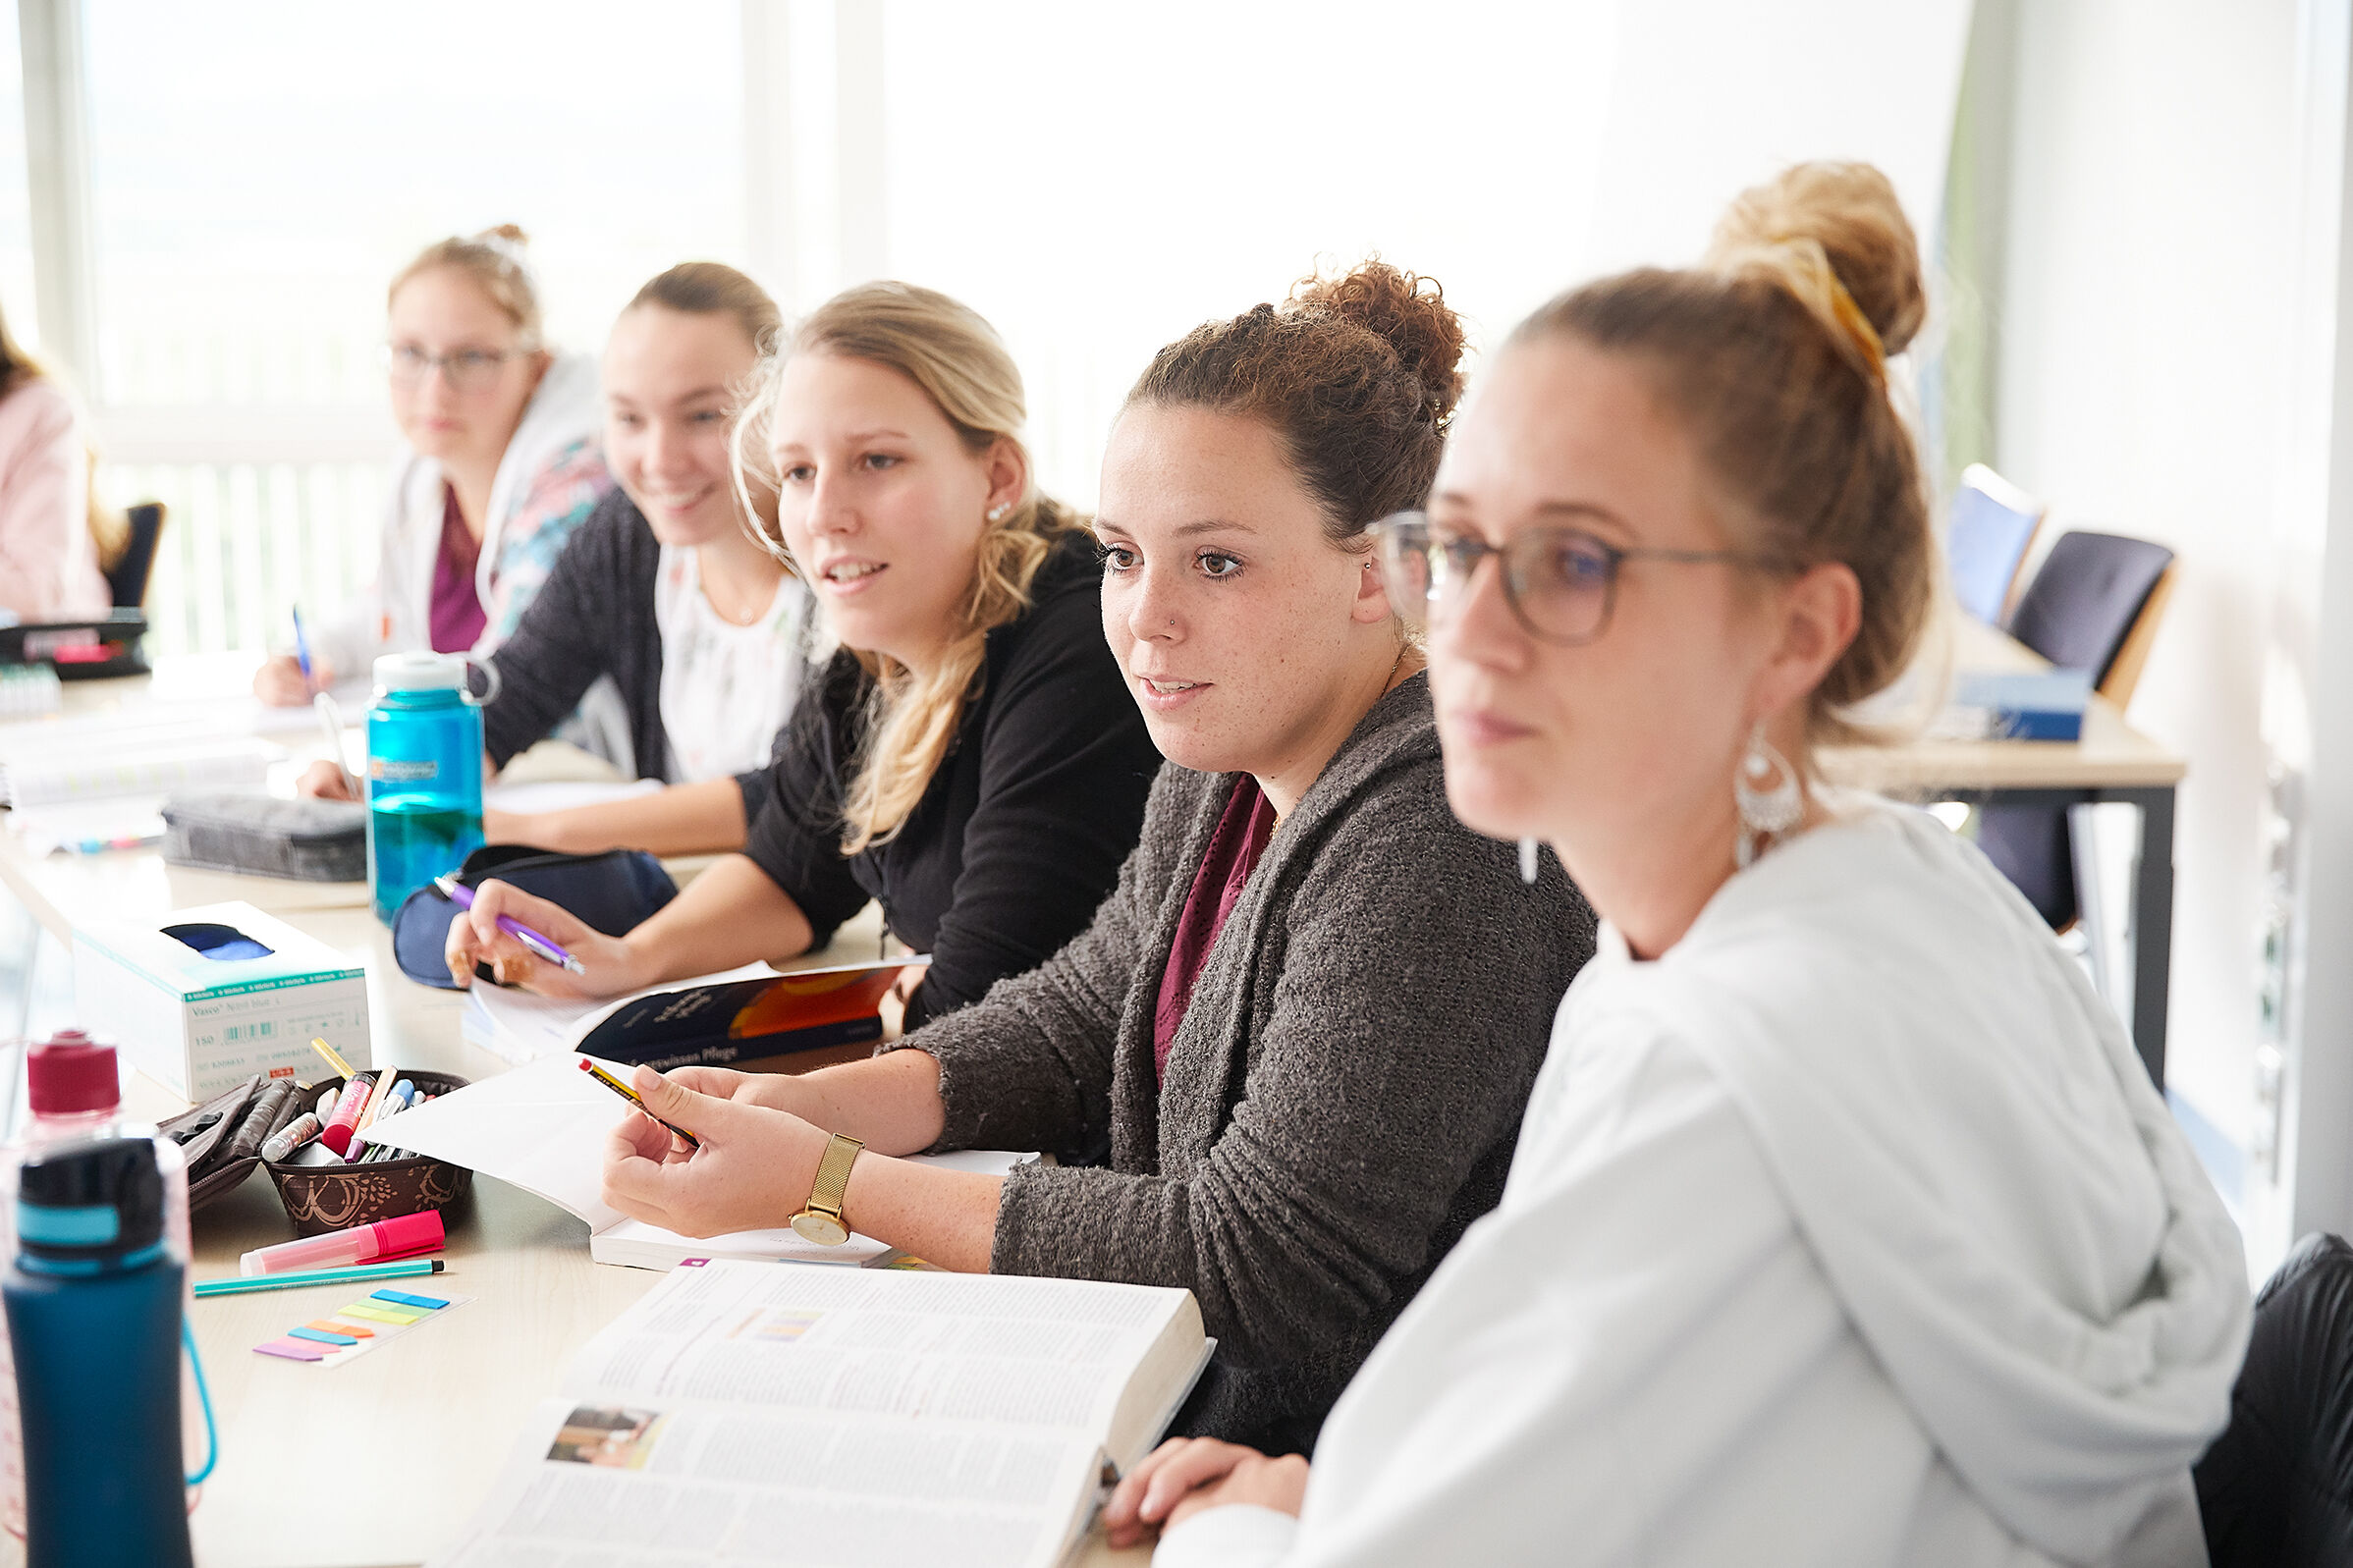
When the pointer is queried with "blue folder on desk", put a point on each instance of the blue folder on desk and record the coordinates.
(2027, 705)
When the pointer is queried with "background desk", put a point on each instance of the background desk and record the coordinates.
(382, 1461)
(2111, 762)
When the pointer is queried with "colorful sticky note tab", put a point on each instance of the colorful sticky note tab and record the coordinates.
(320, 1336)
(360, 1309)
(291, 1350)
(328, 1326)
(404, 1299)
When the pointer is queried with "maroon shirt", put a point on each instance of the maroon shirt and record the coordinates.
(1235, 846)
(457, 618)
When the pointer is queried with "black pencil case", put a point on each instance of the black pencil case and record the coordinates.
(302, 840)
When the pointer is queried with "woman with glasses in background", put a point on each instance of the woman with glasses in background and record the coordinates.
(1845, 1225)
(502, 464)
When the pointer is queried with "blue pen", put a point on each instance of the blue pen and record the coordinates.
(302, 646)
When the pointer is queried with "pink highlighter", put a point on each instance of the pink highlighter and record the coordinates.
(386, 1238)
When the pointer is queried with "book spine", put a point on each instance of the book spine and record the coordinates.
(721, 1053)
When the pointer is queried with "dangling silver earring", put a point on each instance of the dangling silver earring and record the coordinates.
(1527, 860)
(1764, 788)
(999, 512)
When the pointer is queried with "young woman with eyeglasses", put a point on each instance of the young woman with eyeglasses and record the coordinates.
(501, 466)
(1845, 1225)
(1284, 1065)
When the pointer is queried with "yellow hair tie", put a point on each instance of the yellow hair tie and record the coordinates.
(1858, 328)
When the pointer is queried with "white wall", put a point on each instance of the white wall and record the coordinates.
(2145, 365)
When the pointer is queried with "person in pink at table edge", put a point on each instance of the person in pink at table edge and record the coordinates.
(502, 465)
(51, 526)
(1845, 1226)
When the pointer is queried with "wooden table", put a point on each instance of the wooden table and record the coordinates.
(2111, 762)
(312, 1455)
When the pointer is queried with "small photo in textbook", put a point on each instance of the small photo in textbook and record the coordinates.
(607, 1435)
(715, 1024)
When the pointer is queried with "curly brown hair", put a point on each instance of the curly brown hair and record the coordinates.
(1356, 375)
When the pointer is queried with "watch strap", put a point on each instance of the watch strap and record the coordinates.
(833, 1175)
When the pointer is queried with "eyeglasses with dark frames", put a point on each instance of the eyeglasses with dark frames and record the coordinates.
(1561, 583)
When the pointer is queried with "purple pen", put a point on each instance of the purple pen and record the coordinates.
(463, 897)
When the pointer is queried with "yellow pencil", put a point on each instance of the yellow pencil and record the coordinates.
(341, 1067)
(630, 1095)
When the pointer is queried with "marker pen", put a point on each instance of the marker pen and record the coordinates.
(287, 1139)
(345, 1121)
(386, 1238)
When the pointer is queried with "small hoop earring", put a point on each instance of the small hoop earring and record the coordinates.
(999, 512)
(1765, 790)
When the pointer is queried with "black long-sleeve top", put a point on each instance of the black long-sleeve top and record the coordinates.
(1025, 824)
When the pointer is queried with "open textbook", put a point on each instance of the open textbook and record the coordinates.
(543, 1127)
(851, 1419)
(717, 1020)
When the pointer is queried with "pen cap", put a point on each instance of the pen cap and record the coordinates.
(71, 1074)
(408, 1233)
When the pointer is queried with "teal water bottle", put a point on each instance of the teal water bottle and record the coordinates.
(425, 775)
(93, 1298)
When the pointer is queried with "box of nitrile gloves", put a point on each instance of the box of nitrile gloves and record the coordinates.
(210, 997)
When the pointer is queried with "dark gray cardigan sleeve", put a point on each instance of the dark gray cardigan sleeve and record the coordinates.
(1392, 1055)
(1029, 1065)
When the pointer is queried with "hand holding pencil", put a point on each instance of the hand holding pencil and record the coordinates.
(515, 934)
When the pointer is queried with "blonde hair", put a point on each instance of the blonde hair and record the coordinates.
(494, 261)
(1773, 353)
(957, 358)
(109, 530)
(713, 289)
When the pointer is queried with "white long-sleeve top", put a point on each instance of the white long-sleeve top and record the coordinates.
(48, 562)
(1849, 1231)
(548, 481)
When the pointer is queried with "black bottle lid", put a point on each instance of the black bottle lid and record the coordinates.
(91, 1205)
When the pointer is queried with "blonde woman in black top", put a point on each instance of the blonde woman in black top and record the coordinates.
(970, 758)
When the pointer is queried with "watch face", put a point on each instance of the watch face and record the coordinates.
(823, 1229)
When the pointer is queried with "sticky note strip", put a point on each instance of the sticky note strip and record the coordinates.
(360, 1327)
(292, 1350)
(360, 1309)
(400, 1298)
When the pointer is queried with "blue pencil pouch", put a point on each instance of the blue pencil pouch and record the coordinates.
(613, 893)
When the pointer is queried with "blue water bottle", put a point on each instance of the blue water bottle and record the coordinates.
(425, 775)
(93, 1298)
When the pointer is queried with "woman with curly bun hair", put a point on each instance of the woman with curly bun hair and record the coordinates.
(1284, 1066)
(1845, 1226)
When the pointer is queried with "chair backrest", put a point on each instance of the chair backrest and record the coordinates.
(2277, 1488)
(1991, 527)
(2085, 600)
(127, 580)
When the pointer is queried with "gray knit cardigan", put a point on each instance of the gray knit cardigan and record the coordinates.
(1340, 1102)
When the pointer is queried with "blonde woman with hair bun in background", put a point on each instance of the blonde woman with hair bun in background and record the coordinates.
(1845, 1225)
(50, 523)
(501, 466)
(969, 757)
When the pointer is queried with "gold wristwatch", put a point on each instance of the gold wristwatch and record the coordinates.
(821, 1222)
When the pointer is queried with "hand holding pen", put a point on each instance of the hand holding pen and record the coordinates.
(536, 945)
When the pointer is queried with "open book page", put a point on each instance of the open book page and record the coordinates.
(651, 1486)
(543, 1127)
(747, 1413)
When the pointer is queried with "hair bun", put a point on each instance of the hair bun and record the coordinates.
(1850, 212)
(506, 234)
(1408, 312)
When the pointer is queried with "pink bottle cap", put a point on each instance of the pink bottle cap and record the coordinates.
(72, 1074)
(408, 1234)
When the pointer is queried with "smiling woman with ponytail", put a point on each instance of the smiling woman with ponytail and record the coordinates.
(968, 757)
